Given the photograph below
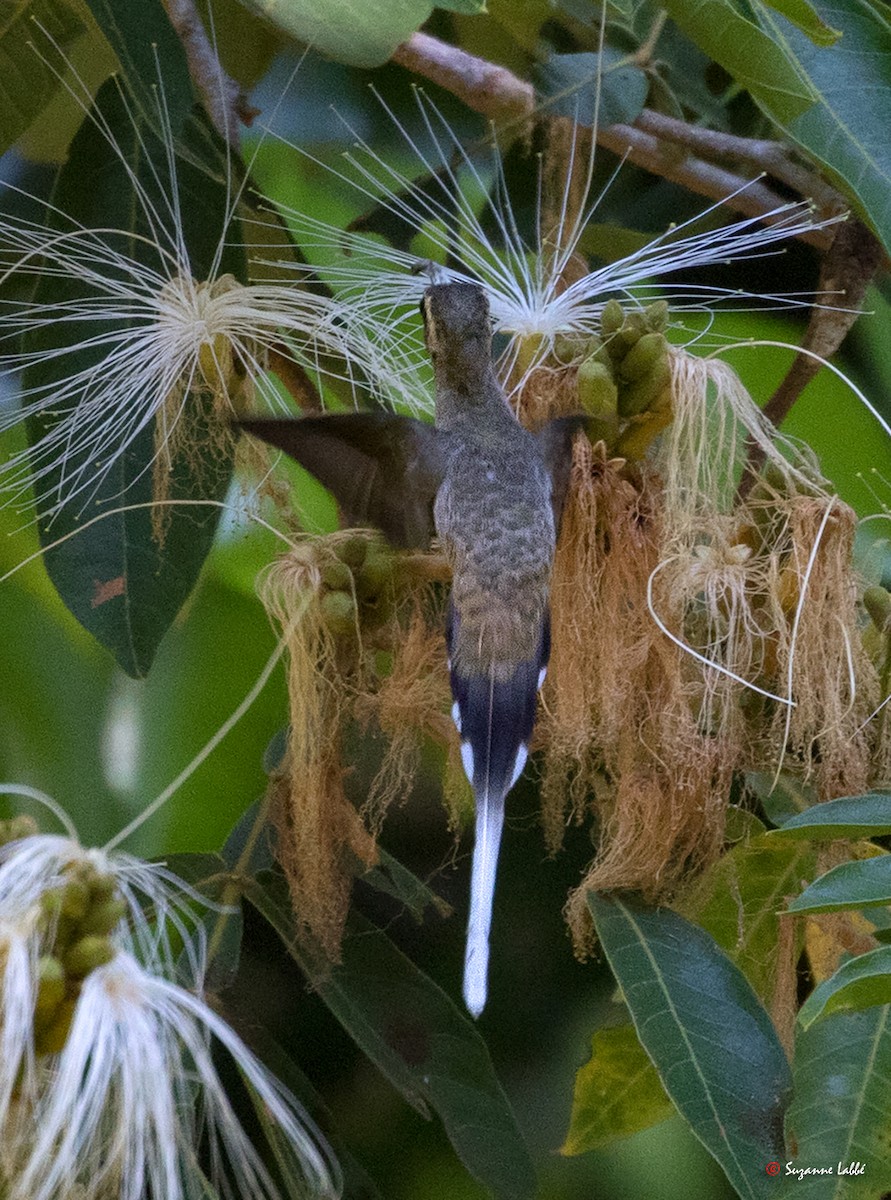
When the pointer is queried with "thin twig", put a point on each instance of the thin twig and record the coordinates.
(750, 197)
(766, 154)
(845, 274)
(221, 95)
(483, 86)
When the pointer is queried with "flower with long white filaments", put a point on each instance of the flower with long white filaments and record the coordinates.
(107, 1081)
(153, 332)
(533, 294)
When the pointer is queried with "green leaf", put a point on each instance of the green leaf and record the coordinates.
(759, 62)
(470, 8)
(395, 880)
(858, 983)
(807, 19)
(419, 1040)
(839, 1112)
(123, 581)
(352, 31)
(846, 130)
(711, 1041)
(738, 901)
(605, 87)
(617, 1092)
(850, 816)
(849, 885)
(782, 799)
(151, 55)
(26, 82)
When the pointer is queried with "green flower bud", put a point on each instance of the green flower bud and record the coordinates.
(656, 316)
(352, 551)
(102, 917)
(643, 358)
(629, 335)
(337, 576)
(102, 887)
(374, 577)
(52, 1039)
(612, 318)
(648, 392)
(75, 899)
(877, 603)
(339, 612)
(598, 394)
(50, 989)
(87, 954)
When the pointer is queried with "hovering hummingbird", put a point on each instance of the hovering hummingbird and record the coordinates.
(492, 492)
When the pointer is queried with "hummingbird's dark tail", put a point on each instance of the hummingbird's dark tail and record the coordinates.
(494, 712)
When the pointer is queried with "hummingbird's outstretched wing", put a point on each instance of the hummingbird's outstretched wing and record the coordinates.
(383, 469)
(555, 439)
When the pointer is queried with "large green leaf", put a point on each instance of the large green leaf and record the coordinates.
(858, 983)
(839, 1113)
(849, 885)
(26, 82)
(351, 31)
(617, 1092)
(121, 579)
(868, 815)
(584, 87)
(711, 1041)
(846, 130)
(762, 64)
(416, 1036)
(738, 901)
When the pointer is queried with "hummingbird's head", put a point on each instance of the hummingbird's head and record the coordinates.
(456, 324)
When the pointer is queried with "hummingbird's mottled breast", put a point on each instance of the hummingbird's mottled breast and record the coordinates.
(494, 520)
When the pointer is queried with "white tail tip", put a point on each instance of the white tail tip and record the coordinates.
(476, 970)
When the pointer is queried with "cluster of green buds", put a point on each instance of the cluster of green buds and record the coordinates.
(358, 590)
(624, 377)
(76, 922)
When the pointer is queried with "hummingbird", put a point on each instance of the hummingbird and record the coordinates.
(491, 491)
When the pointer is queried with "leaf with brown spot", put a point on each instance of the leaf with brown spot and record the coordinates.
(108, 590)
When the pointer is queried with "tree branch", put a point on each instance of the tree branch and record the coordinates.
(221, 96)
(764, 153)
(845, 274)
(499, 94)
(483, 86)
